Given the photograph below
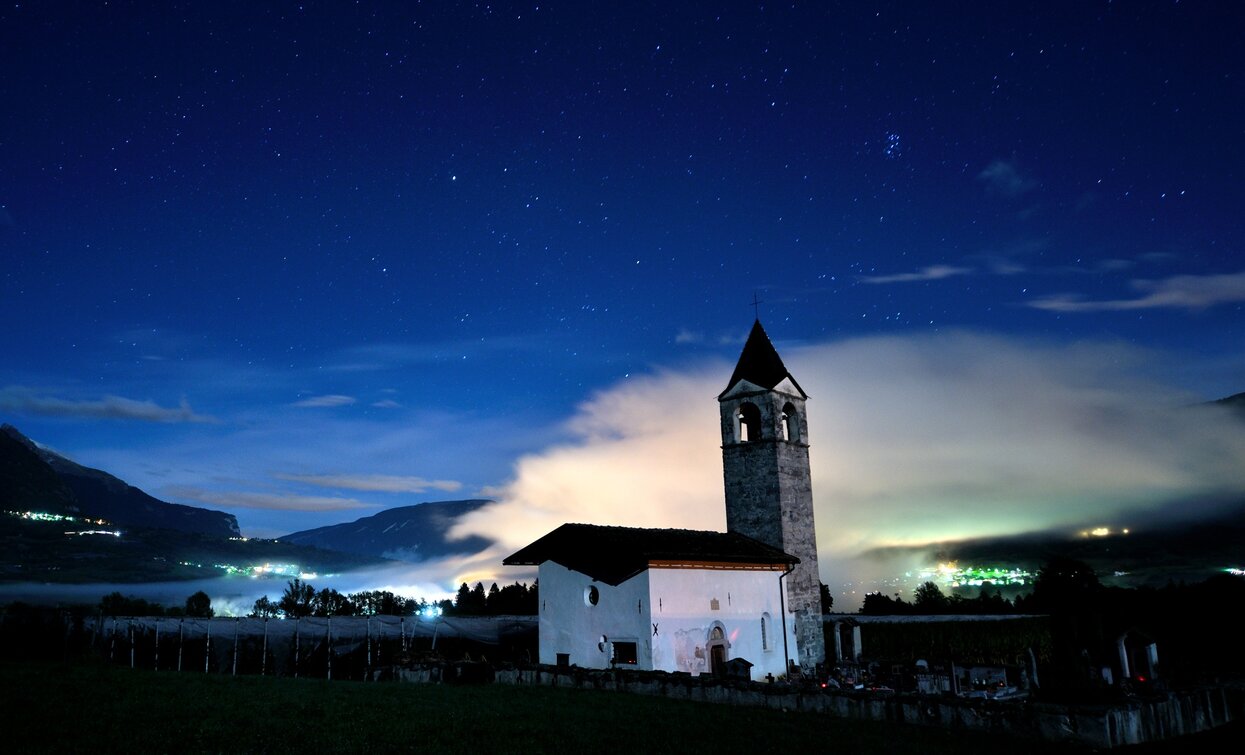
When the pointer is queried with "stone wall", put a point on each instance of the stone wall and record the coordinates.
(1177, 714)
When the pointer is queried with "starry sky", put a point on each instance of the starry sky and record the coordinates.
(301, 262)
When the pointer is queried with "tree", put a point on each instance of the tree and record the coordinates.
(1065, 584)
(295, 602)
(116, 604)
(329, 602)
(877, 604)
(827, 600)
(929, 599)
(199, 606)
(265, 609)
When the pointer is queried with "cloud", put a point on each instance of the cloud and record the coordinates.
(274, 501)
(19, 399)
(374, 483)
(688, 336)
(913, 440)
(387, 404)
(1003, 177)
(931, 273)
(1178, 292)
(323, 401)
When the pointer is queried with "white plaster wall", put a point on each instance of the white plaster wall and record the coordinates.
(681, 608)
(569, 625)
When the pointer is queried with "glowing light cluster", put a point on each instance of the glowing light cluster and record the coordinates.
(114, 533)
(43, 516)
(953, 575)
(1235, 571)
(430, 611)
(1102, 532)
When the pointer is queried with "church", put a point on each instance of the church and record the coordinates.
(698, 601)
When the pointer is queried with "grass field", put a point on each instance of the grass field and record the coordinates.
(94, 708)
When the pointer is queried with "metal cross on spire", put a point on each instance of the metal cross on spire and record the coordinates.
(756, 305)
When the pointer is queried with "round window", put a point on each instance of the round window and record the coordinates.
(591, 595)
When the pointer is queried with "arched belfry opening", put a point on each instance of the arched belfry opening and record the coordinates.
(790, 423)
(748, 423)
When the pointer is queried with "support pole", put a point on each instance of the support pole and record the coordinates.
(131, 643)
(328, 646)
(181, 636)
(157, 660)
(235, 645)
(297, 637)
(207, 647)
(263, 658)
(369, 647)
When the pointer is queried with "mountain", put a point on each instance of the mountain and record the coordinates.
(27, 483)
(99, 494)
(405, 533)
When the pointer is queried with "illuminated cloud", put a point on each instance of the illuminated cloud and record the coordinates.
(273, 501)
(913, 440)
(1003, 177)
(23, 400)
(374, 483)
(931, 273)
(326, 401)
(387, 404)
(1178, 292)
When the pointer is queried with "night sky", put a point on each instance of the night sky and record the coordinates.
(303, 261)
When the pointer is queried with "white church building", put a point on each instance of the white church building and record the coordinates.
(692, 600)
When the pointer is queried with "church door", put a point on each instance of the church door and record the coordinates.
(717, 659)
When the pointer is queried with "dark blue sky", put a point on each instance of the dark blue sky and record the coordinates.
(246, 247)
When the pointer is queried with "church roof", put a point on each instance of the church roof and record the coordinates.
(760, 364)
(615, 554)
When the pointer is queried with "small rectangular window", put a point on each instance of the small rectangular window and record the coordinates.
(564, 660)
(625, 654)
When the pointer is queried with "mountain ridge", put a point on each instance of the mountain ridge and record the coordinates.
(106, 496)
(405, 533)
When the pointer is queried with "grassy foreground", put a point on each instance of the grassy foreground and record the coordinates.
(85, 708)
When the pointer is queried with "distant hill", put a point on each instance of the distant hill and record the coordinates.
(97, 493)
(405, 533)
(1235, 402)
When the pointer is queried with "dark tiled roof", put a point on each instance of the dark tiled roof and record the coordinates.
(760, 364)
(615, 554)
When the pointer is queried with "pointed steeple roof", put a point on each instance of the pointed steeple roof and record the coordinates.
(760, 364)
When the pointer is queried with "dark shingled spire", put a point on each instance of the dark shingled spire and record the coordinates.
(760, 364)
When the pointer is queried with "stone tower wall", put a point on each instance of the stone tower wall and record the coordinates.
(769, 497)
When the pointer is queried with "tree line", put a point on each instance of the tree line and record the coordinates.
(300, 599)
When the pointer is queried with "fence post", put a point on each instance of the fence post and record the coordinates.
(263, 657)
(207, 647)
(368, 670)
(235, 645)
(181, 636)
(131, 643)
(297, 636)
(328, 646)
(156, 663)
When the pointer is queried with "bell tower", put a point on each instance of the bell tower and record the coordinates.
(769, 489)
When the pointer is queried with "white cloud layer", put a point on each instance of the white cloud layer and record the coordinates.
(23, 400)
(326, 401)
(276, 501)
(375, 483)
(1178, 292)
(913, 440)
(931, 273)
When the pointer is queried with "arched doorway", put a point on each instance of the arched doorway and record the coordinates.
(718, 647)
